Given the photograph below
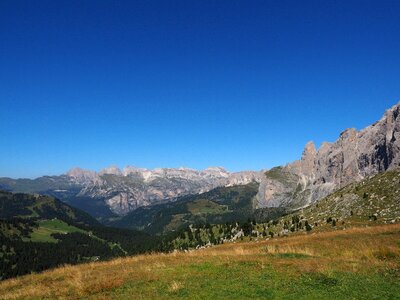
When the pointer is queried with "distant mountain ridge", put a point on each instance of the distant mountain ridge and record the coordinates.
(114, 191)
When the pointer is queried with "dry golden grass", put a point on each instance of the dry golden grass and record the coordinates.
(352, 250)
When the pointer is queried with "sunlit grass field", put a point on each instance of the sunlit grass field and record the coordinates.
(48, 227)
(358, 263)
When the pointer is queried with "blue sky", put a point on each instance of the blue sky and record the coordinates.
(240, 84)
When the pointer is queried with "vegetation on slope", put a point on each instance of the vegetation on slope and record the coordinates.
(359, 263)
(40, 232)
(37, 206)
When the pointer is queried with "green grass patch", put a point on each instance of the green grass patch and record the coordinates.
(204, 206)
(48, 227)
(251, 280)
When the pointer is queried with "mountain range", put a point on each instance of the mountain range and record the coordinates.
(112, 192)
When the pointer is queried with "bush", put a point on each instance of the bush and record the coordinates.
(308, 226)
(373, 217)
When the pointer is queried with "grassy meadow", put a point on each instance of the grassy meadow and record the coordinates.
(48, 227)
(357, 263)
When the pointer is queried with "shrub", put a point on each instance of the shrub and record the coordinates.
(308, 226)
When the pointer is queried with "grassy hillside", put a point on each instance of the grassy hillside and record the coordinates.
(358, 263)
(375, 200)
(44, 232)
(216, 206)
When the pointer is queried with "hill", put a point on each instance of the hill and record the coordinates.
(358, 263)
(39, 232)
(19, 205)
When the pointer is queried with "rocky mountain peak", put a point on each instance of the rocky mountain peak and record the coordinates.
(348, 135)
(216, 169)
(111, 170)
(307, 161)
(324, 148)
(78, 172)
(81, 175)
(309, 151)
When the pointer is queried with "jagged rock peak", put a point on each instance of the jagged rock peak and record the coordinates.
(309, 150)
(325, 146)
(79, 175)
(133, 170)
(79, 172)
(216, 169)
(308, 158)
(111, 170)
(348, 133)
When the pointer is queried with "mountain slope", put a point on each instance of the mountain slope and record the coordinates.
(36, 206)
(374, 200)
(39, 232)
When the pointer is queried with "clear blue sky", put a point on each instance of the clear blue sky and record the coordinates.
(240, 84)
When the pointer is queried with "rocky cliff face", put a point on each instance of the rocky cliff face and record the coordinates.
(354, 156)
(128, 189)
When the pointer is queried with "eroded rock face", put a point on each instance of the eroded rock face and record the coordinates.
(124, 191)
(354, 156)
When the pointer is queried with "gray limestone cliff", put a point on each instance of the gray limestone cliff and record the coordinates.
(352, 157)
